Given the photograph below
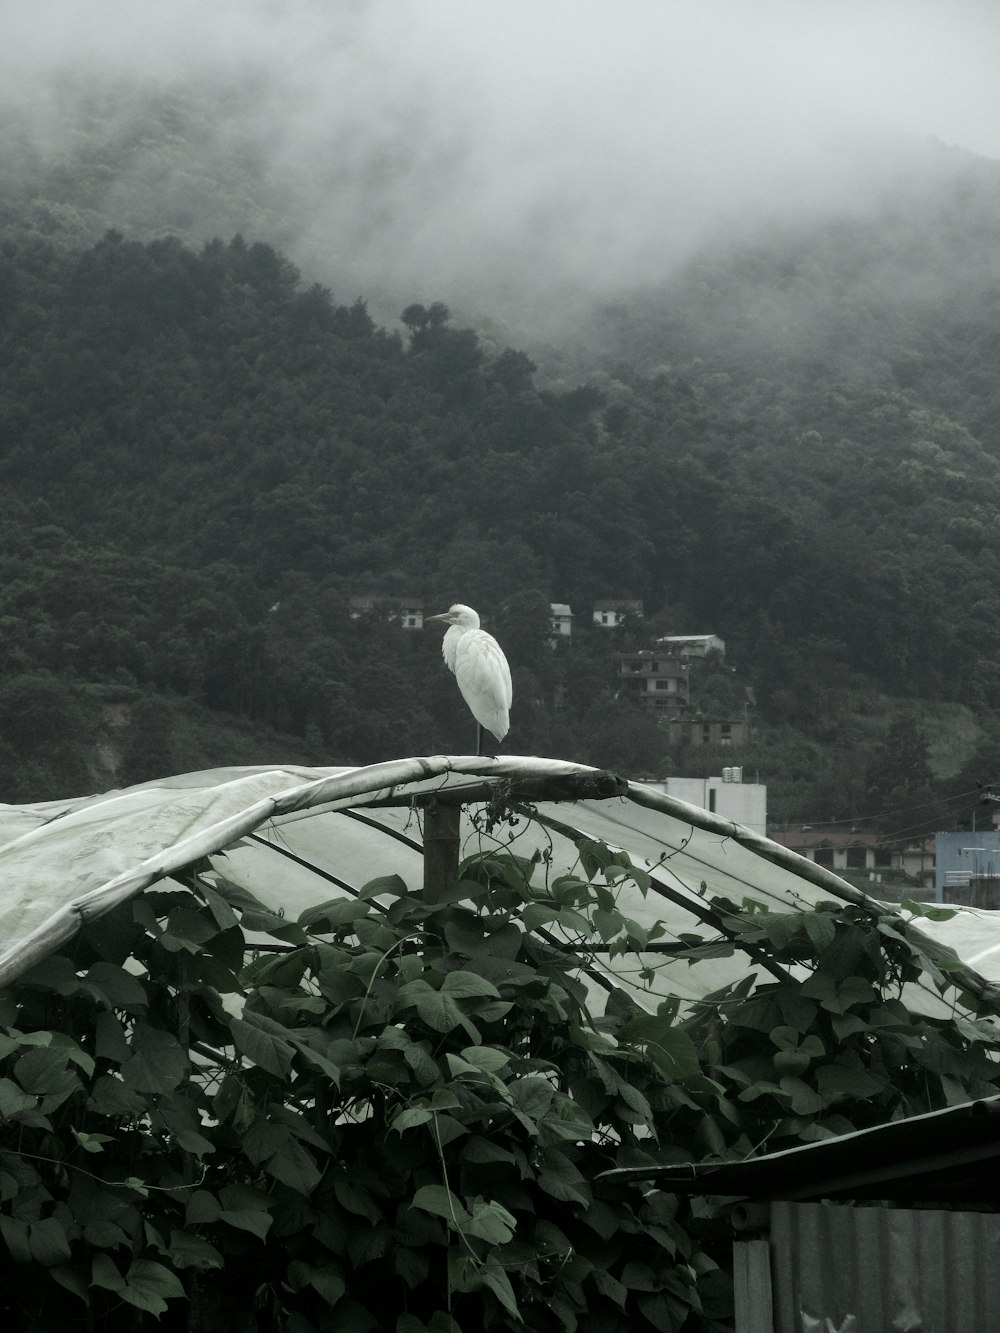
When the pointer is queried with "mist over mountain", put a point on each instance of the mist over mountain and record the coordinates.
(760, 314)
(515, 162)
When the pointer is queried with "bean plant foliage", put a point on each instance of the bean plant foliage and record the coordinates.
(392, 1114)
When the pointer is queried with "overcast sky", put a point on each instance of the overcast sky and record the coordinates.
(431, 140)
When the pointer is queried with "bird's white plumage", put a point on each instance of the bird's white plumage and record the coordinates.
(480, 669)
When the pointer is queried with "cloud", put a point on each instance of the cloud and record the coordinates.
(479, 151)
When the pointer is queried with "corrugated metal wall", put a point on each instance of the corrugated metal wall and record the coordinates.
(840, 1269)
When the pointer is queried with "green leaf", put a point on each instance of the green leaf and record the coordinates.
(222, 912)
(104, 1273)
(295, 1167)
(670, 1047)
(202, 1207)
(639, 1276)
(927, 910)
(188, 1250)
(116, 987)
(157, 1064)
(245, 1209)
(835, 1082)
(461, 985)
(487, 1058)
(804, 1100)
(781, 928)
(636, 1102)
(13, 1102)
(498, 1282)
(328, 1283)
(356, 1199)
(821, 929)
(92, 1143)
(55, 973)
(110, 1041)
(607, 924)
(609, 1286)
(561, 1179)
(410, 1117)
(43, 1072)
(851, 991)
(336, 912)
(70, 1279)
(490, 1222)
(247, 1219)
(385, 886)
(439, 1200)
(436, 1008)
(264, 1042)
(538, 914)
(263, 1139)
(149, 1285)
(532, 1095)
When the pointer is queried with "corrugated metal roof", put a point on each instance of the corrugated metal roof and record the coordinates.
(926, 1158)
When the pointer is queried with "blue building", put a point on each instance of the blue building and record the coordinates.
(967, 869)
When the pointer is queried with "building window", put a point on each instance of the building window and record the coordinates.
(824, 856)
(883, 858)
(856, 858)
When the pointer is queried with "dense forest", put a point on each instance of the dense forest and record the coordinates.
(205, 454)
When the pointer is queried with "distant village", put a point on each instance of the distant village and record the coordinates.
(961, 867)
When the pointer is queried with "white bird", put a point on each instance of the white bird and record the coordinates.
(478, 664)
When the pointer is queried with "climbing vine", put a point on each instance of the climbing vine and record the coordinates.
(390, 1114)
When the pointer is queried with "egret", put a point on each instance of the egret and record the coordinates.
(478, 664)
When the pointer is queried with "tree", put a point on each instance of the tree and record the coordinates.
(899, 782)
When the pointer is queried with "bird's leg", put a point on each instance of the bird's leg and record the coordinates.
(479, 738)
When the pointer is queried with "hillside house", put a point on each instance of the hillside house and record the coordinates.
(841, 850)
(614, 612)
(407, 612)
(692, 645)
(708, 731)
(561, 622)
(653, 679)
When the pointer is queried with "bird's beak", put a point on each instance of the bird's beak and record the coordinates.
(443, 616)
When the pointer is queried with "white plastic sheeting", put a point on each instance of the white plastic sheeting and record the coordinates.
(298, 836)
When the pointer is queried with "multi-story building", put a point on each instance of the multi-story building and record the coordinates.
(708, 731)
(654, 679)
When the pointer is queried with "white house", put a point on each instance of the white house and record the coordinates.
(562, 620)
(613, 612)
(726, 795)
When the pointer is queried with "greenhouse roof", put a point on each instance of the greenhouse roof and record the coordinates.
(297, 836)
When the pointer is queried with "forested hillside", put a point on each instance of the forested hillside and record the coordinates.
(204, 455)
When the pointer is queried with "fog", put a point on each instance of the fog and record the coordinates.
(509, 153)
